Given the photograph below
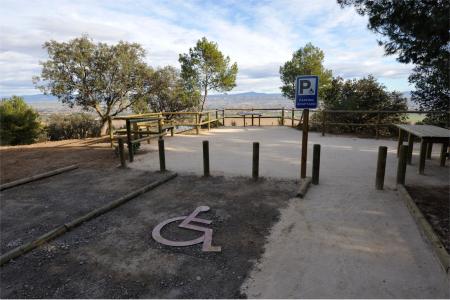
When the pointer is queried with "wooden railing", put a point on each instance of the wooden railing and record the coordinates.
(284, 116)
(144, 127)
(294, 117)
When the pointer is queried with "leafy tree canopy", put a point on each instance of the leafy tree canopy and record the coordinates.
(102, 77)
(205, 68)
(362, 94)
(167, 93)
(416, 30)
(307, 60)
(19, 123)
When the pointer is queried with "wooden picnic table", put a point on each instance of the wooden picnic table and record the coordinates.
(251, 113)
(428, 135)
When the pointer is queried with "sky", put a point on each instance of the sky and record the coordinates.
(258, 35)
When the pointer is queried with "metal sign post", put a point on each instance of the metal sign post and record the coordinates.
(306, 90)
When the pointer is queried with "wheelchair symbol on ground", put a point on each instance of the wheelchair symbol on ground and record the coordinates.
(206, 238)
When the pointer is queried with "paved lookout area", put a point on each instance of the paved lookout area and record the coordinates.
(344, 239)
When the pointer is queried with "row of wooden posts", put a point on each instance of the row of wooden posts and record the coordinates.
(403, 158)
(206, 165)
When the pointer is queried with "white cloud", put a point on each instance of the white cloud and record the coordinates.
(259, 36)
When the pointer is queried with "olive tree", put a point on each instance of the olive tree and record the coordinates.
(167, 93)
(104, 78)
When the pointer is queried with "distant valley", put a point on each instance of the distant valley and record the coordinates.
(50, 104)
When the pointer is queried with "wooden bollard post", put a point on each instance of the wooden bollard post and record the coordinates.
(401, 167)
(162, 155)
(206, 158)
(223, 117)
(123, 162)
(255, 165)
(381, 167)
(316, 164)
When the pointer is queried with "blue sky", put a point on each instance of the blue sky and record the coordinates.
(258, 35)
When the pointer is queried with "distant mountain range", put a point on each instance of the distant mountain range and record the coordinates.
(44, 103)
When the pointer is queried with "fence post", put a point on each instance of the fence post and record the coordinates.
(381, 167)
(123, 162)
(148, 134)
(401, 167)
(316, 164)
(162, 155)
(197, 121)
(323, 122)
(135, 130)
(217, 118)
(292, 118)
(223, 117)
(377, 128)
(111, 133)
(282, 116)
(255, 165)
(252, 118)
(206, 158)
(129, 144)
(209, 121)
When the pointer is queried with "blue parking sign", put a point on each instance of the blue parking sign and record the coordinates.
(306, 89)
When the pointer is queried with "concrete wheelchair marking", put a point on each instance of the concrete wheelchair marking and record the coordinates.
(206, 238)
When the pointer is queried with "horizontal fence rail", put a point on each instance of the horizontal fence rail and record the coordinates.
(141, 127)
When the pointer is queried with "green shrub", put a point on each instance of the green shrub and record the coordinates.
(73, 126)
(19, 123)
(365, 94)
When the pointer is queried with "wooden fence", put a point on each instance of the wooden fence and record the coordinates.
(294, 117)
(145, 127)
(142, 127)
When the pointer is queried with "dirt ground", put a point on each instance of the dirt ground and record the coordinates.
(114, 255)
(17, 162)
(434, 204)
(30, 210)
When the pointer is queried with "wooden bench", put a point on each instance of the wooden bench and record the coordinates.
(428, 135)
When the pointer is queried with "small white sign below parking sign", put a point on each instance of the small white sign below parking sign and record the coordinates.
(306, 91)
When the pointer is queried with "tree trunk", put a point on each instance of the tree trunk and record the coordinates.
(203, 103)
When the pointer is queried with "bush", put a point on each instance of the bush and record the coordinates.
(364, 94)
(73, 126)
(19, 123)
